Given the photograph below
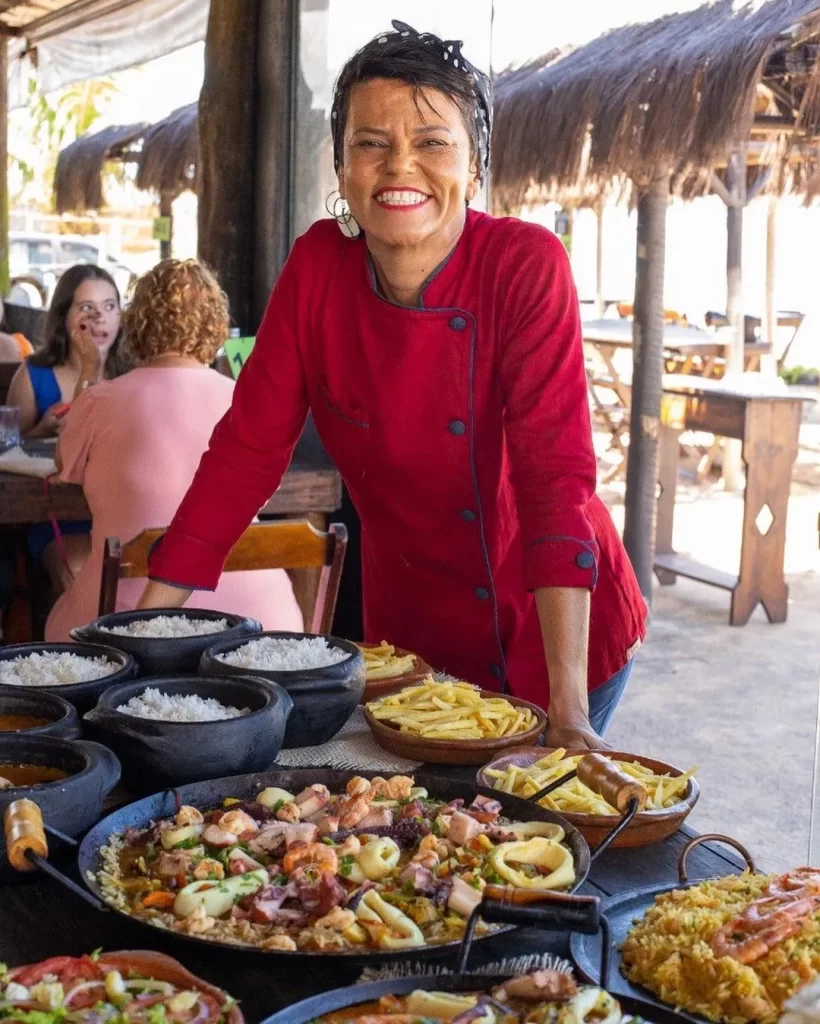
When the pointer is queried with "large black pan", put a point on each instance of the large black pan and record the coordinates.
(621, 912)
(554, 912)
(210, 794)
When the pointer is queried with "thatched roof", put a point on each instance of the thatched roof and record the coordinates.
(170, 153)
(679, 92)
(78, 177)
(166, 155)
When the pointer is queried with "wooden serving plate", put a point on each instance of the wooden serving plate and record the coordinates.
(645, 828)
(375, 688)
(418, 748)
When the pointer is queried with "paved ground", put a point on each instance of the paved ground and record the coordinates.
(739, 702)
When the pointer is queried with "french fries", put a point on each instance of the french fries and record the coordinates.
(451, 711)
(574, 796)
(382, 662)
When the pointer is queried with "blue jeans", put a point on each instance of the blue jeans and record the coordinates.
(604, 700)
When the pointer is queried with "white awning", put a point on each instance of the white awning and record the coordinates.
(107, 37)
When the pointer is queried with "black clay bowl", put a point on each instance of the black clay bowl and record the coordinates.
(159, 755)
(323, 698)
(82, 695)
(71, 805)
(60, 717)
(159, 656)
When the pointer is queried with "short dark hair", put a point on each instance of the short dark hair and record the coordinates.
(54, 347)
(423, 61)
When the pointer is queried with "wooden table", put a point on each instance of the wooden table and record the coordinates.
(768, 424)
(41, 919)
(306, 487)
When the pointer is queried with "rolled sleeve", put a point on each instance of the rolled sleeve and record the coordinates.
(546, 419)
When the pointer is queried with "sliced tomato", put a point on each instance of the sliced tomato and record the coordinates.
(81, 967)
(33, 973)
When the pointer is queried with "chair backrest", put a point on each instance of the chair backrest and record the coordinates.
(288, 544)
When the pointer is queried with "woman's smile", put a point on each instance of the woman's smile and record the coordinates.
(401, 199)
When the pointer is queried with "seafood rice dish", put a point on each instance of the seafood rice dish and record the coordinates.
(733, 950)
(382, 866)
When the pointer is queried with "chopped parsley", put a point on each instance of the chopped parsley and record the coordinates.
(346, 865)
(151, 851)
(436, 828)
(328, 841)
(95, 956)
(280, 880)
(493, 877)
(279, 805)
(187, 844)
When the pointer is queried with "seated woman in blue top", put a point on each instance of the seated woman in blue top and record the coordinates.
(85, 303)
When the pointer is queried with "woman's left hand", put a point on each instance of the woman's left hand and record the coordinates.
(576, 734)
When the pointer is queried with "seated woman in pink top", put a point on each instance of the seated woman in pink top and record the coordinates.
(134, 444)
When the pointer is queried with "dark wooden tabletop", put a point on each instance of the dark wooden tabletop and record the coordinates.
(38, 919)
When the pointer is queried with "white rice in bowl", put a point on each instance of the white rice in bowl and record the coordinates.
(177, 707)
(169, 627)
(54, 669)
(274, 654)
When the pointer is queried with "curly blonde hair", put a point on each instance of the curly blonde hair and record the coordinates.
(177, 308)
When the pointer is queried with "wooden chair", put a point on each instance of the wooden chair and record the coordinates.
(289, 544)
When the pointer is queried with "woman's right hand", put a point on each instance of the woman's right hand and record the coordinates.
(52, 421)
(163, 595)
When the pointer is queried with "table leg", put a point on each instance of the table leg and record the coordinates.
(668, 447)
(769, 451)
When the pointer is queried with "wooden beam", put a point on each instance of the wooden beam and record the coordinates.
(768, 363)
(647, 372)
(5, 283)
(720, 189)
(226, 152)
(277, 66)
(736, 184)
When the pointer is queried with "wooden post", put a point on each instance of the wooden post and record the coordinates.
(5, 283)
(599, 260)
(647, 371)
(226, 144)
(166, 209)
(277, 63)
(768, 363)
(736, 187)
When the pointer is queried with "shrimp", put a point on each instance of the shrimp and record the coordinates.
(354, 810)
(357, 786)
(751, 935)
(395, 788)
(304, 854)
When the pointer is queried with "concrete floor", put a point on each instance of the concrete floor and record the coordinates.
(739, 702)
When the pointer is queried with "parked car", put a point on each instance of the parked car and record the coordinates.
(37, 261)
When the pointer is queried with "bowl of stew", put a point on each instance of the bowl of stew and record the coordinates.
(67, 779)
(37, 714)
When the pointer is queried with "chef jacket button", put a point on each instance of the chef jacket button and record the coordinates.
(495, 670)
(468, 515)
(585, 560)
(458, 323)
(482, 593)
(457, 427)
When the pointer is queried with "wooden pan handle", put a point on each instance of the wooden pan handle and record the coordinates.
(23, 824)
(606, 778)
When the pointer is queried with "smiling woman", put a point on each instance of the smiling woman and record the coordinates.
(440, 354)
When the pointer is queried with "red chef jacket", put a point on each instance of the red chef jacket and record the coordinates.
(462, 431)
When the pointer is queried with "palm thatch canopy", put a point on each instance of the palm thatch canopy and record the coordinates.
(675, 94)
(170, 153)
(78, 177)
(166, 155)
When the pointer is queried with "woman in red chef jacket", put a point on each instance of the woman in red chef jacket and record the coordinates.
(440, 353)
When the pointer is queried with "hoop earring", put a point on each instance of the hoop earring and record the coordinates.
(339, 210)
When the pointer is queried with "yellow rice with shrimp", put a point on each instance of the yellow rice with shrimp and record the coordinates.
(668, 952)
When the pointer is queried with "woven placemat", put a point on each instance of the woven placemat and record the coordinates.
(513, 965)
(351, 749)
